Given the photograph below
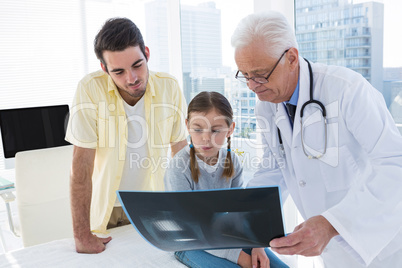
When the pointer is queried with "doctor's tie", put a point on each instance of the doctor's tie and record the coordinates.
(291, 111)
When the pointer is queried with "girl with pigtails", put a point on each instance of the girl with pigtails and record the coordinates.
(207, 164)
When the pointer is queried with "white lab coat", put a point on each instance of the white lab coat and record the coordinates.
(357, 184)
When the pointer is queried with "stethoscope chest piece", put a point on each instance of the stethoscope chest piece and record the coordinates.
(281, 147)
(281, 150)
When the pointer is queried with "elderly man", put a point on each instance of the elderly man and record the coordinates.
(330, 143)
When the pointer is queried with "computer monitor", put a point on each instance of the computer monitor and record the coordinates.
(24, 129)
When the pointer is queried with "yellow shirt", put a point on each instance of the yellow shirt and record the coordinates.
(98, 120)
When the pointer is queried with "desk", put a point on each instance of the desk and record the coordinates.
(126, 249)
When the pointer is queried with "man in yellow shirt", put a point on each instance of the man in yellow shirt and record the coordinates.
(122, 121)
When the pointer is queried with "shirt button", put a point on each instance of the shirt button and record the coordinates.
(112, 107)
(302, 183)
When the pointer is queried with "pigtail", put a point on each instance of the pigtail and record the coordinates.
(195, 171)
(228, 170)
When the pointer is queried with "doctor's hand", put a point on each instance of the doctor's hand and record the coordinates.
(91, 244)
(308, 239)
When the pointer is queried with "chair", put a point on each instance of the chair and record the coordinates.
(42, 186)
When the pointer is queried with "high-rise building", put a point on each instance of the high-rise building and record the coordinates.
(338, 32)
(243, 103)
(156, 34)
(392, 87)
(201, 39)
(201, 45)
(393, 93)
(201, 49)
(201, 36)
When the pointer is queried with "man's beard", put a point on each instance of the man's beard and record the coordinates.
(140, 91)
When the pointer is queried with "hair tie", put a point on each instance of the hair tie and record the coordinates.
(229, 150)
(191, 145)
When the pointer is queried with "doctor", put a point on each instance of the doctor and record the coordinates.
(339, 156)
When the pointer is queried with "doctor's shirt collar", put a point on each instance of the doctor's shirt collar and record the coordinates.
(295, 96)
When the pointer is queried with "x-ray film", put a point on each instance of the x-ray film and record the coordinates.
(213, 219)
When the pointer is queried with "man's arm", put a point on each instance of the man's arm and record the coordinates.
(177, 146)
(80, 194)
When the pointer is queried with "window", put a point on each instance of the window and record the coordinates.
(47, 47)
(365, 41)
(206, 30)
(42, 58)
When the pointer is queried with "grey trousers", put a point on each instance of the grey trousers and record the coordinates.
(118, 218)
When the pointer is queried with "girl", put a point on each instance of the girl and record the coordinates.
(205, 164)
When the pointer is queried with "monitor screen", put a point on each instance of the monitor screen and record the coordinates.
(33, 128)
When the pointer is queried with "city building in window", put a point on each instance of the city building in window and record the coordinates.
(338, 32)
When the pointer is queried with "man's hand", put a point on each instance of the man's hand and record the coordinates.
(259, 258)
(80, 196)
(308, 239)
(91, 244)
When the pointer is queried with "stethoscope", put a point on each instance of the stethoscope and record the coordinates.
(324, 115)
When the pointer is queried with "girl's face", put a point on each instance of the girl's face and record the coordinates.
(208, 132)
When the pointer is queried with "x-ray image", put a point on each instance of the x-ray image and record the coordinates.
(213, 219)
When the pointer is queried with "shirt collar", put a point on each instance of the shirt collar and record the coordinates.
(150, 84)
(295, 96)
(111, 86)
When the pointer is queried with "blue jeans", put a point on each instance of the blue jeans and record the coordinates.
(202, 259)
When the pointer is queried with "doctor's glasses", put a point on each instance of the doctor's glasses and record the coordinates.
(259, 79)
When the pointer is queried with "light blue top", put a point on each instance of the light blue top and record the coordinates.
(178, 178)
(293, 100)
(178, 175)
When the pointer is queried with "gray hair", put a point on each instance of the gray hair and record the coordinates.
(270, 27)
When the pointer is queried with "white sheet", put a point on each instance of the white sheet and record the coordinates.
(126, 249)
